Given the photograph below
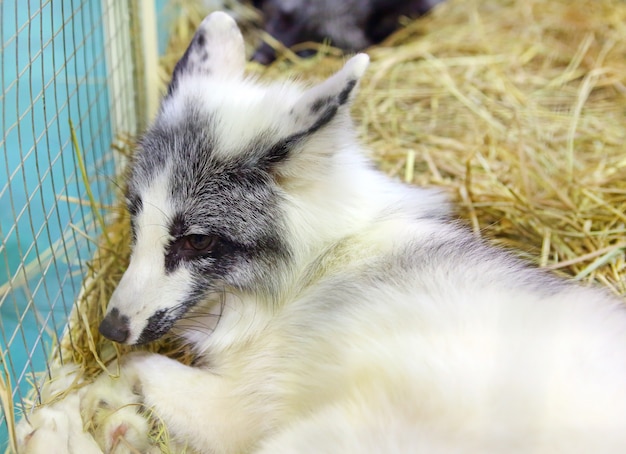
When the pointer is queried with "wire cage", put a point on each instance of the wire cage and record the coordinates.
(527, 139)
(74, 83)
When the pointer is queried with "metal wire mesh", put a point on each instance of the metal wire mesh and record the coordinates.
(61, 61)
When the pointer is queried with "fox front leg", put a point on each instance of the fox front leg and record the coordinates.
(197, 406)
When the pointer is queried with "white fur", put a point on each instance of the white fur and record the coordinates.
(382, 335)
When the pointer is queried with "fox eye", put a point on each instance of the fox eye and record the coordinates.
(194, 247)
(198, 243)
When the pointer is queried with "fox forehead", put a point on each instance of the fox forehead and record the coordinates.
(240, 110)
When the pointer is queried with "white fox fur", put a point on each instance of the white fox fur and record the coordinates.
(332, 309)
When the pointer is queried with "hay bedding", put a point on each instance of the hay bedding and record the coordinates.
(519, 110)
(516, 108)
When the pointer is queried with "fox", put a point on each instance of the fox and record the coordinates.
(350, 25)
(330, 307)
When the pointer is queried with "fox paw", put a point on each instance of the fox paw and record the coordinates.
(112, 408)
(56, 426)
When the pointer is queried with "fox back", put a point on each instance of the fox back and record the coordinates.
(337, 309)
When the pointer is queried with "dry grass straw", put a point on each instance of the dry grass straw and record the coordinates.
(519, 109)
(516, 108)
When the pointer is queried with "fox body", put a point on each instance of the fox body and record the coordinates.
(331, 308)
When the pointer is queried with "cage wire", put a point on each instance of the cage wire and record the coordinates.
(73, 76)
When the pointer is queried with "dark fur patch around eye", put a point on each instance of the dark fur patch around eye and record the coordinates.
(213, 261)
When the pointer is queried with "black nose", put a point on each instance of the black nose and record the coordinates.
(115, 327)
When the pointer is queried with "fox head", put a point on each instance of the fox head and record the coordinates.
(212, 179)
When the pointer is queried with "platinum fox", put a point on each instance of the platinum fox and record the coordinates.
(331, 308)
(350, 25)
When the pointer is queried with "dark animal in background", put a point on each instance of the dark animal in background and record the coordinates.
(351, 25)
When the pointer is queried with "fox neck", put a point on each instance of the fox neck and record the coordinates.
(344, 205)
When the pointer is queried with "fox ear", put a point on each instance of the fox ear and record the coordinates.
(216, 49)
(319, 105)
